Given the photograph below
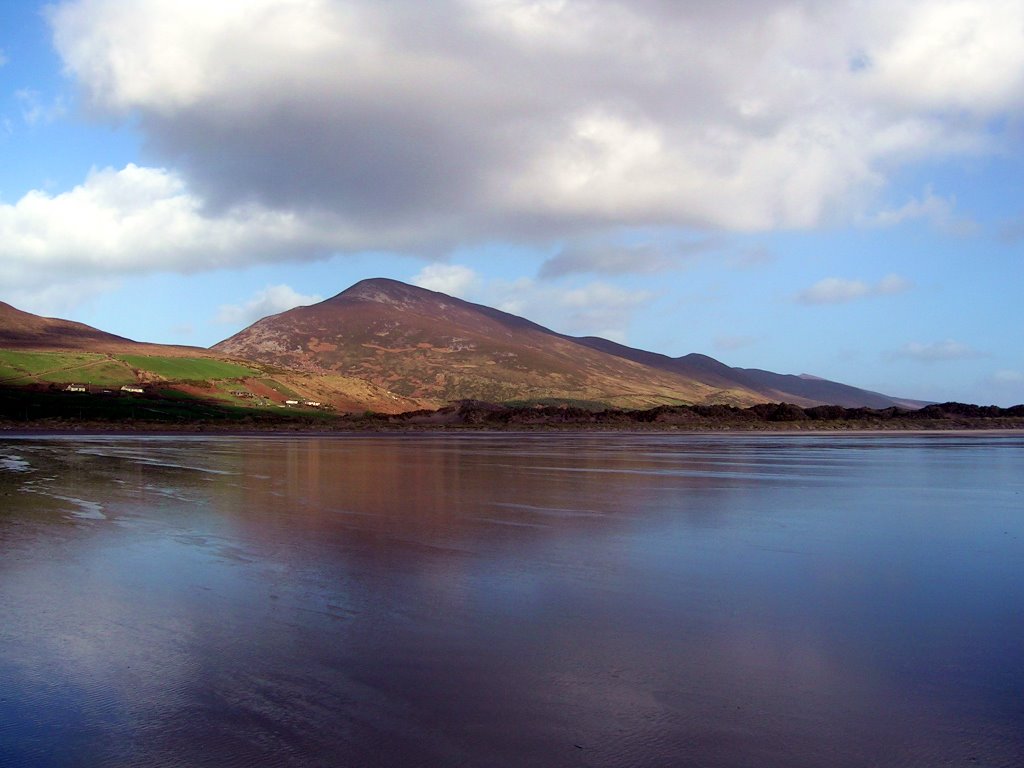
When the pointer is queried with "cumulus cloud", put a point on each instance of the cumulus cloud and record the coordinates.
(35, 110)
(452, 279)
(837, 290)
(891, 284)
(1008, 377)
(136, 220)
(1004, 387)
(589, 309)
(270, 301)
(610, 259)
(939, 211)
(58, 296)
(834, 290)
(592, 309)
(950, 55)
(729, 343)
(751, 257)
(414, 125)
(935, 351)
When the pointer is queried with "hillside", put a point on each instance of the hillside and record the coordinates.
(389, 347)
(50, 354)
(802, 390)
(437, 349)
(426, 345)
(23, 330)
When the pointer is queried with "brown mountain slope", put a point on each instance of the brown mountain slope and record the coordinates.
(437, 348)
(802, 390)
(23, 330)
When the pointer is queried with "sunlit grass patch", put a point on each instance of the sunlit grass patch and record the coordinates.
(188, 368)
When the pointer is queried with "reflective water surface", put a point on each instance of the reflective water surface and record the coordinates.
(512, 600)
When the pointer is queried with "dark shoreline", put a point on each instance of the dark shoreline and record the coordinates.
(27, 412)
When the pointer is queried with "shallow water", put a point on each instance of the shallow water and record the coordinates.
(512, 600)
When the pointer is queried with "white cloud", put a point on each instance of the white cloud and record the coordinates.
(59, 296)
(834, 290)
(950, 55)
(936, 351)
(592, 309)
(137, 220)
(1008, 377)
(604, 295)
(612, 259)
(751, 257)
(451, 279)
(1004, 387)
(728, 343)
(937, 210)
(270, 301)
(891, 284)
(34, 110)
(837, 290)
(462, 120)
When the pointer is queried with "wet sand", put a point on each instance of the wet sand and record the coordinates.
(507, 600)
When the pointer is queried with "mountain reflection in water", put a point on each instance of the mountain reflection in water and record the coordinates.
(510, 600)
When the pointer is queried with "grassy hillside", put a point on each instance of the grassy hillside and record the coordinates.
(21, 368)
(188, 368)
(215, 381)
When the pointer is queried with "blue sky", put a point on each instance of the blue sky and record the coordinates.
(829, 188)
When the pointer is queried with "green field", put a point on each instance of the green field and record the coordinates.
(58, 367)
(188, 368)
(39, 362)
(103, 373)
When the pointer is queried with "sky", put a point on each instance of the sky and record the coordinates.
(833, 188)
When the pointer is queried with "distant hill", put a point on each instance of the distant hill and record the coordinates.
(23, 330)
(802, 390)
(46, 353)
(386, 346)
(436, 348)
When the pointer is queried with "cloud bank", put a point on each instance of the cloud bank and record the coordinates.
(298, 129)
(416, 126)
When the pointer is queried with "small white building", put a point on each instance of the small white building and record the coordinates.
(135, 390)
(312, 403)
(291, 402)
(75, 388)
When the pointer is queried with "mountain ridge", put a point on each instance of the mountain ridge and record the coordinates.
(382, 344)
(399, 335)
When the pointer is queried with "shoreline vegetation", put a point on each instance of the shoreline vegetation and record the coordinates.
(32, 410)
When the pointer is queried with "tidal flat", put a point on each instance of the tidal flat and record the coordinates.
(512, 599)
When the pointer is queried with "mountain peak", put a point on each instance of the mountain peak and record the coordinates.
(383, 290)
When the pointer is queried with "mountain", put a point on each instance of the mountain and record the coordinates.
(427, 345)
(436, 348)
(45, 353)
(20, 329)
(803, 390)
(386, 346)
